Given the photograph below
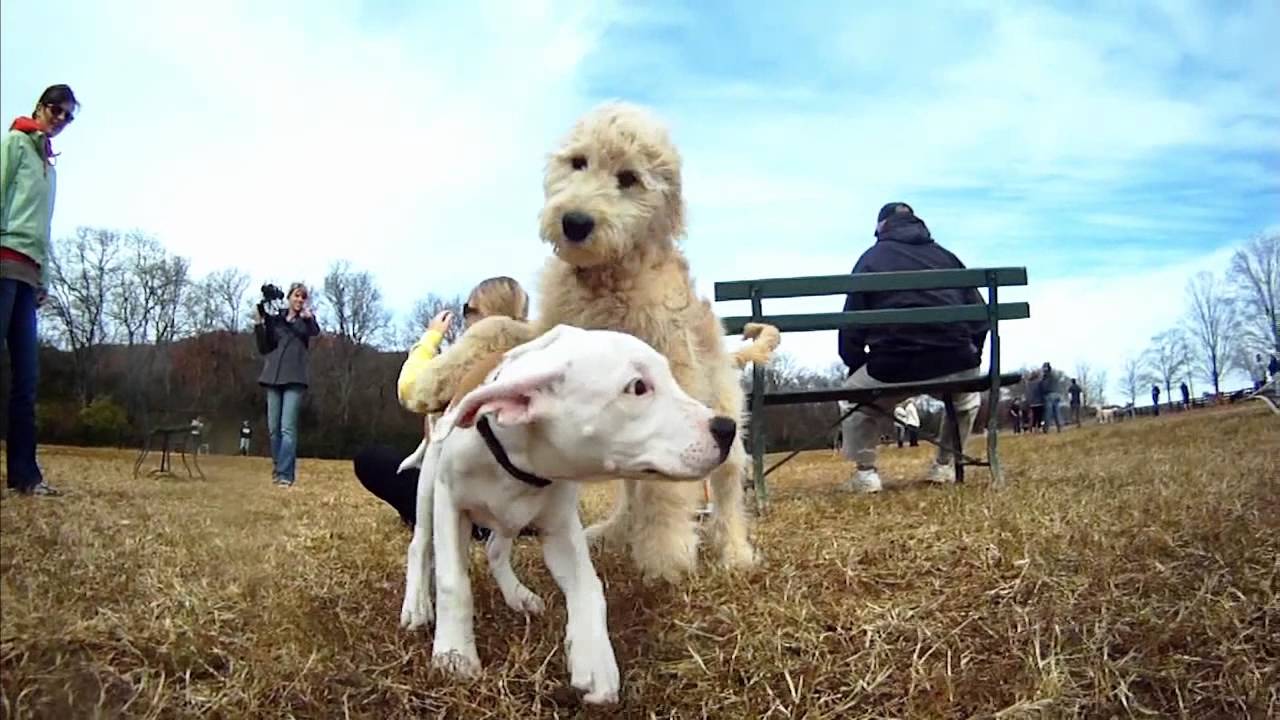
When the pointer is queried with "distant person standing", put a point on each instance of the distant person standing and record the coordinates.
(1051, 389)
(1274, 367)
(1258, 371)
(1035, 402)
(1015, 414)
(28, 182)
(1186, 395)
(908, 423)
(284, 338)
(1075, 392)
(1155, 399)
(246, 433)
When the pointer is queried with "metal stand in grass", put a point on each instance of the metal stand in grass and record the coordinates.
(166, 435)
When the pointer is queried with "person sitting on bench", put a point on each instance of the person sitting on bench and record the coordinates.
(907, 354)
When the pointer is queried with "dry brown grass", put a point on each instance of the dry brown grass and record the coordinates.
(1129, 570)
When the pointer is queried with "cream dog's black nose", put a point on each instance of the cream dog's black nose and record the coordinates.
(577, 225)
(723, 429)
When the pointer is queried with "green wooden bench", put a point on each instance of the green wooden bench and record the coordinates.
(993, 311)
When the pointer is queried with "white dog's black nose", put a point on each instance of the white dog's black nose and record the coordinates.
(723, 429)
(577, 225)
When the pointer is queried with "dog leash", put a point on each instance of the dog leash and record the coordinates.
(500, 454)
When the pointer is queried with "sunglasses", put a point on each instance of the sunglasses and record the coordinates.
(468, 310)
(61, 113)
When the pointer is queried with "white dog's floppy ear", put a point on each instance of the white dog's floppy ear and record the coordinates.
(511, 396)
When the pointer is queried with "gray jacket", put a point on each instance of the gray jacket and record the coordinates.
(285, 343)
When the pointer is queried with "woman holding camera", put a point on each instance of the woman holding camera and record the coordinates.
(285, 338)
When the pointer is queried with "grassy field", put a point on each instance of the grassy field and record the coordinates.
(1129, 570)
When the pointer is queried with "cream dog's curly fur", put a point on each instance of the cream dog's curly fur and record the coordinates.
(613, 213)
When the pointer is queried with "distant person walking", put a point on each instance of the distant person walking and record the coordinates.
(1155, 399)
(1186, 395)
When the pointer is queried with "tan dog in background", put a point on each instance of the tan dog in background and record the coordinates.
(614, 211)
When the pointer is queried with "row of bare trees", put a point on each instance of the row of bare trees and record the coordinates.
(1229, 320)
(131, 333)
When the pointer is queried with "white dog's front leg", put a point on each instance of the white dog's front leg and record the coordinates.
(415, 611)
(592, 665)
(517, 596)
(454, 650)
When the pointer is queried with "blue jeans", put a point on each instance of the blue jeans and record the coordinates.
(18, 331)
(1053, 411)
(283, 403)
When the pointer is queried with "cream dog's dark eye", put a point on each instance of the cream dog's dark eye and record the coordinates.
(627, 178)
(638, 387)
(578, 162)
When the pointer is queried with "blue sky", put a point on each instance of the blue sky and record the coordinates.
(1113, 152)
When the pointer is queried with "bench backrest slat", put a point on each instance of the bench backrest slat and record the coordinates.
(906, 316)
(868, 282)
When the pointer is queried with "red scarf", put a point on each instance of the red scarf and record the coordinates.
(29, 125)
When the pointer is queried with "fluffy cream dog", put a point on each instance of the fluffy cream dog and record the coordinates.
(613, 213)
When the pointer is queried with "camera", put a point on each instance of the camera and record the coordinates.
(270, 294)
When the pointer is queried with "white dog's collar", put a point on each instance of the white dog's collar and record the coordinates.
(500, 454)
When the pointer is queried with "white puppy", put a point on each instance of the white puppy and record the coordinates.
(570, 405)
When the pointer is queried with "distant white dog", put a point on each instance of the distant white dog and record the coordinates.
(570, 405)
(1106, 414)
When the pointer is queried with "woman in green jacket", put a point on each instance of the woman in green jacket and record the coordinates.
(28, 181)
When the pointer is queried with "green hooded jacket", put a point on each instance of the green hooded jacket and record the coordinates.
(29, 182)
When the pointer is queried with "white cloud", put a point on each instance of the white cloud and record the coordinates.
(1111, 152)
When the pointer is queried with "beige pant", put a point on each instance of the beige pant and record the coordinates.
(861, 431)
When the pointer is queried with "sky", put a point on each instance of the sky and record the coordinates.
(1111, 151)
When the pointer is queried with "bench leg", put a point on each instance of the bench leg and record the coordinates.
(993, 454)
(949, 404)
(757, 437)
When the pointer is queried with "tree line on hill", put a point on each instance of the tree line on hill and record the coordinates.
(132, 340)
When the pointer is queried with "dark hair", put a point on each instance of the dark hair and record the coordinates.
(58, 94)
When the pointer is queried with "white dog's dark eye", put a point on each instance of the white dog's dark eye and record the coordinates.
(578, 162)
(627, 178)
(638, 387)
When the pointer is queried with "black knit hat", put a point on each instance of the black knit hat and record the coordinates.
(893, 207)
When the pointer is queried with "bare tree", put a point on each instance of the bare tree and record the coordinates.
(421, 314)
(1094, 383)
(1166, 359)
(81, 277)
(358, 318)
(355, 304)
(134, 293)
(172, 281)
(1255, 275)
(226, 289)
(1131, 379)
(203, 313)
(1212, 326)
